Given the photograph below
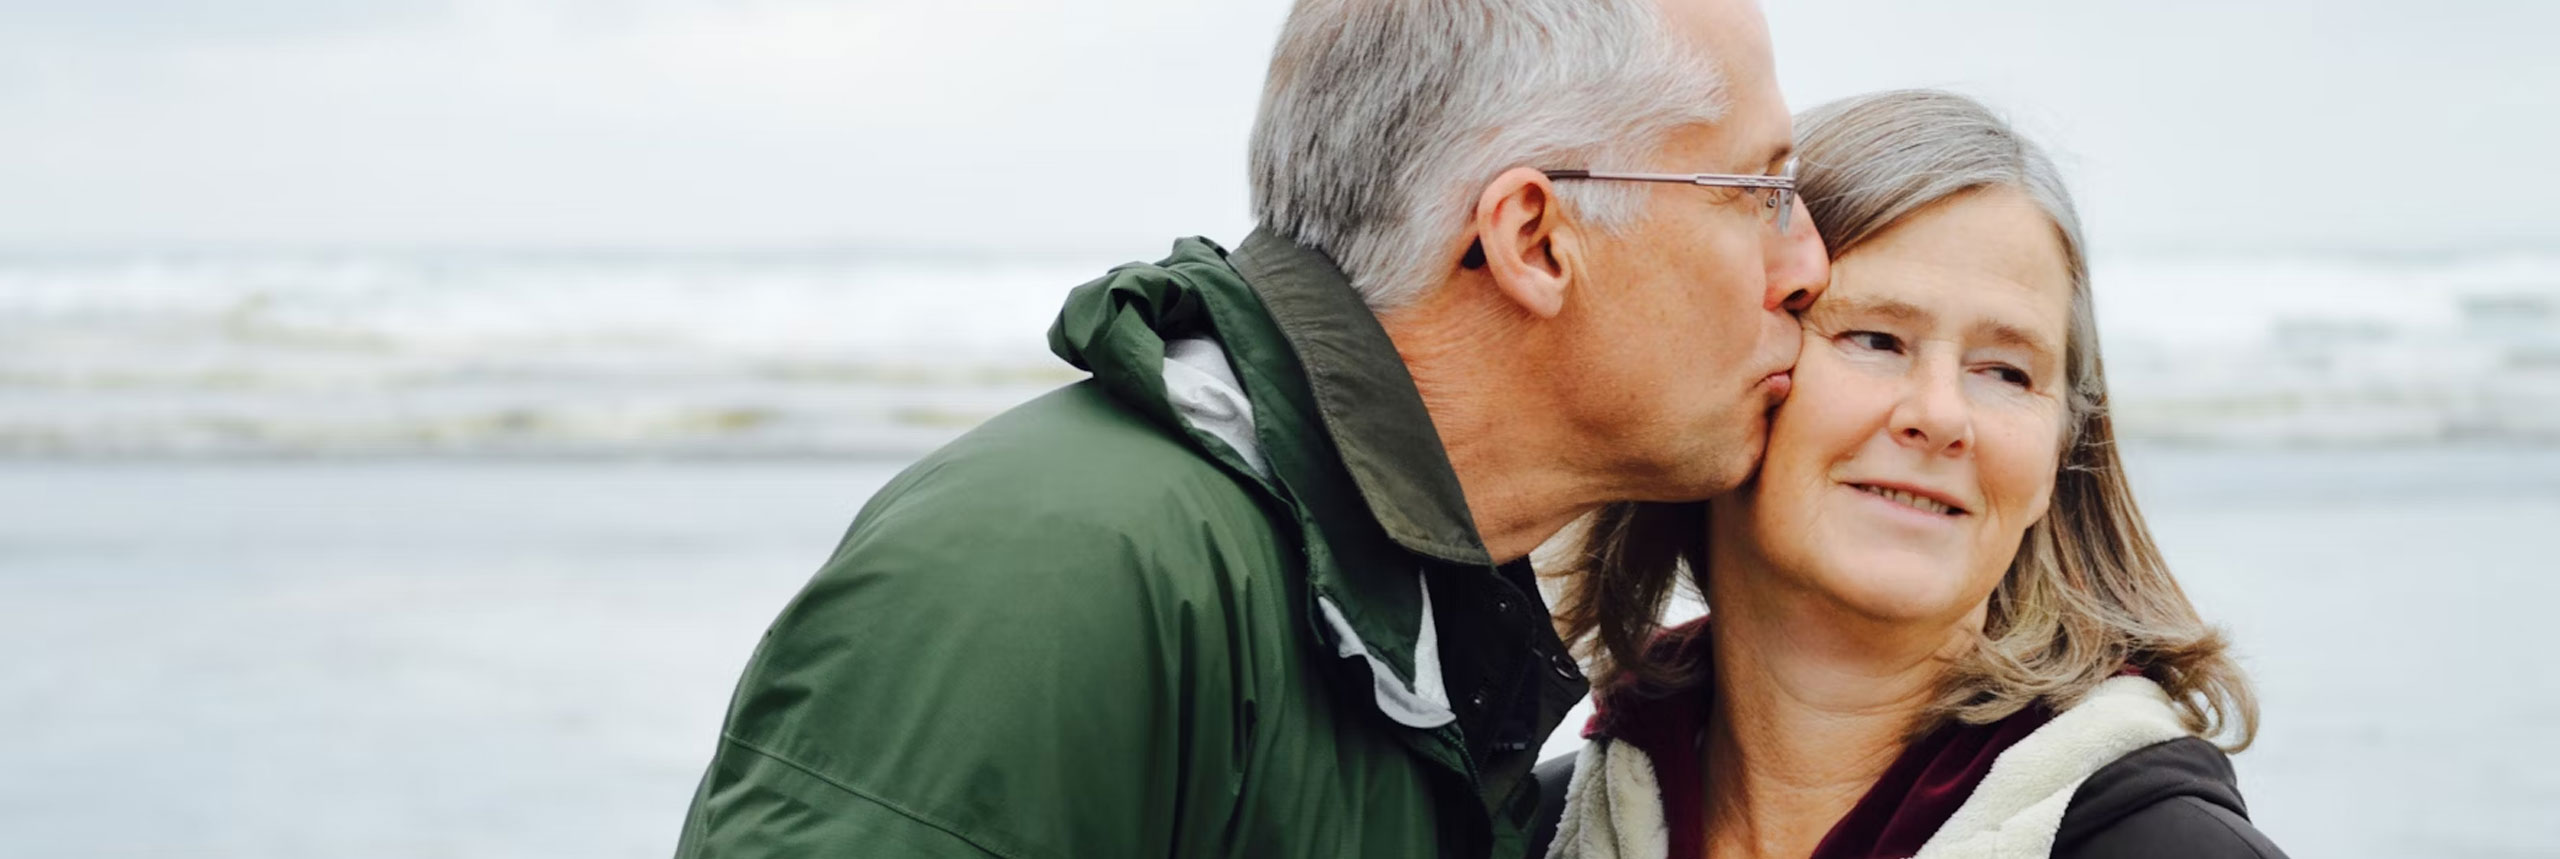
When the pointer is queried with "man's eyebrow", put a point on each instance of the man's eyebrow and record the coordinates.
(1778, 158)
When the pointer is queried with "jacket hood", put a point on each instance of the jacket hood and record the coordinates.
(1117, 326)
(2189, 766)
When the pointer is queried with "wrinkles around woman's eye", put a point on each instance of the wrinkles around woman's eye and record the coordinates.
(2011, 375)
(1876, 341)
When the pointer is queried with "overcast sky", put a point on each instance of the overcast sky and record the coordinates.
(1112, 126)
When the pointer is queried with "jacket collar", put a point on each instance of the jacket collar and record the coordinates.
(1365, 398)
(1998, 789)
(1347, 448)
(1341, 428)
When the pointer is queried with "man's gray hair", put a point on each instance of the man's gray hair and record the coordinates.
(1383, 120)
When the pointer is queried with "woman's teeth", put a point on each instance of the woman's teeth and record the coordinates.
(1908, 499)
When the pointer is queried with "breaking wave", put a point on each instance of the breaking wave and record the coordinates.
(841, 354)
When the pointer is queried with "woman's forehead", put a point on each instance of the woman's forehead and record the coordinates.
(1979, 261)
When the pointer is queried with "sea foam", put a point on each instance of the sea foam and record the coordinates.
(841, 353)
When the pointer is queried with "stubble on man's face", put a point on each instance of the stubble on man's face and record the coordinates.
(1681, 340)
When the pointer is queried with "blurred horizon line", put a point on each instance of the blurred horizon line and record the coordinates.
(857, 248)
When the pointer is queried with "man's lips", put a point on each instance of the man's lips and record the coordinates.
(1779, 385)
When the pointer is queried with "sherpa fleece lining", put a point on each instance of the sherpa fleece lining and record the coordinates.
(1613, 805)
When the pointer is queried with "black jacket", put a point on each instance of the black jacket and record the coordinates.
(2179, 798)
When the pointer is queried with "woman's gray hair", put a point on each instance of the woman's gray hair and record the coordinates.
(2087, 596)
(1382, 120)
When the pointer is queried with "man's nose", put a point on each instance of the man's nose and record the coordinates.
(1799, 266)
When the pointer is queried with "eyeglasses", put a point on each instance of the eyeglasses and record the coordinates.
(1778, 206)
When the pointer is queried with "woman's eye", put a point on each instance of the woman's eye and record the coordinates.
(2014, 376)
(1875, 340)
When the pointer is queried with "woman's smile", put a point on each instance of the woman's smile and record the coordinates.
(1935, 505)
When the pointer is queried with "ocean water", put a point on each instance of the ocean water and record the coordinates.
(516, 354)
(440, 554)
(529, 658)
(845, 353)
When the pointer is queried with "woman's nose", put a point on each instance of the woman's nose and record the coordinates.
(1933, 415)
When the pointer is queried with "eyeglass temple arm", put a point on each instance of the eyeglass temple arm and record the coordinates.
(1726, 180)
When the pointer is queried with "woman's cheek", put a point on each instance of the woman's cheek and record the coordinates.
(2019, 460)
(1834, 399)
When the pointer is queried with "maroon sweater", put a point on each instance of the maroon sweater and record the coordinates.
(1917, 794)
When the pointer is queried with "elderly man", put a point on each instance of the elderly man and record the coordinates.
(1259, 586)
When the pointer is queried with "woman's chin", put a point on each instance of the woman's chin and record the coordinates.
(1898, 590)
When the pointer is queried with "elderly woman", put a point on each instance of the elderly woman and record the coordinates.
(1938, 625)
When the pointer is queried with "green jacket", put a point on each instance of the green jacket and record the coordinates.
(1226, 605)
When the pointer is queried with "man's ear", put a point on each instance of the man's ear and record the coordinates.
(1523, 242)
